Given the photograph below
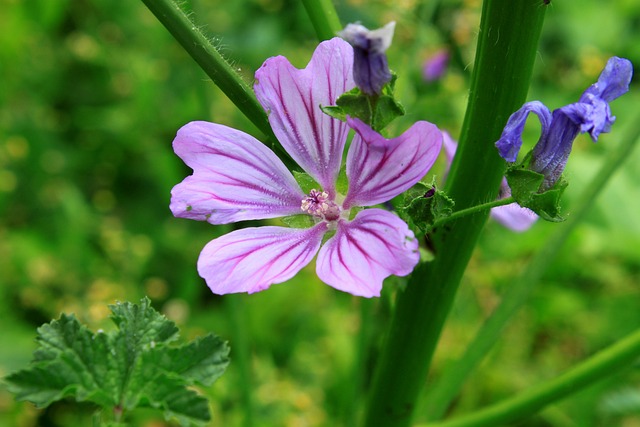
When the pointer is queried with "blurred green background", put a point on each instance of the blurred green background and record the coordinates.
(91, 95)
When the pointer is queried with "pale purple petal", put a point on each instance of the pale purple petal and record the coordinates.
(252, 259)
(363, 252)
(235, 177)
(613, 81)
(435, 66)
(450, 147)
(379, 169)
(293, 98)
(514, 217)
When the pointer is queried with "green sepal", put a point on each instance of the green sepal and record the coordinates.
(133, 366)
(298, 221)
(376, 111)
(547, 204)
(424, 205)
(306, 182)
(342, 182)
(387, 109)
(525, 185)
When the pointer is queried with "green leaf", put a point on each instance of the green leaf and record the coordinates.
(387, 109)
(355, 104)
(176, 401)
(133, 366)
(376, 111)
(525, 186)
(306, 182)
(424, 205)
(201, 361)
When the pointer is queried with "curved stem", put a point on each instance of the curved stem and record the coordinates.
(613, 359)
(473, 210)
(454, 376)
(213, 63)
(507, 44)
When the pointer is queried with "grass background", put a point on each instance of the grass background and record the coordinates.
(91, 95)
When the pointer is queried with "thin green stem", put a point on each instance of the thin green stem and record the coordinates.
(613, 359)
(474, 210)
(324, 18)
(213, 63)
(507, 45)
(444, 391)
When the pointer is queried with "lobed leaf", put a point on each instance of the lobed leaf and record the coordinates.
(130, 367)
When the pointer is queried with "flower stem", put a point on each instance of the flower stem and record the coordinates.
(441, 395)
(615, 358)
(213, 63)
(475, 209)
(507, 44)
(324, 18)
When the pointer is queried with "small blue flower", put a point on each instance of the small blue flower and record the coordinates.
(370, 66)
(590, 114)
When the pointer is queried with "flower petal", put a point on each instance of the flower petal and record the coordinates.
(293, 98)
(379, 169)
(235, 177)
(613, 81)
(450, 147)
(511, 139)
(370, 65)
(514, 217)
(252, 259)
(551, 152)
(363, 252)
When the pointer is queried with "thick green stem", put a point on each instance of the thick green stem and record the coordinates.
(444, 391)
(507, 44)
(613, 359)
(213, 63)
(324, 18)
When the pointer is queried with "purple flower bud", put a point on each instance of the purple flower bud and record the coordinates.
(435, 66)
(590, 114)
(370, 67)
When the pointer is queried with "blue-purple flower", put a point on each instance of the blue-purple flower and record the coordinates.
(235, 178)
(370, 66)
(590, 114)
(512, 216)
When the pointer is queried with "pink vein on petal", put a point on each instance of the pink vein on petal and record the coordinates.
(252, 259)
(293, 98)
(365, 251)
(379, 169)
(235, 177)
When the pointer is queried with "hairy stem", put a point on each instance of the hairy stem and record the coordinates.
(507, 44)
(444, 391)
(213, 63)
(324, 18)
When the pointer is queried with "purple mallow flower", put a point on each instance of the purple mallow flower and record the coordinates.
(370, 66)
(435, 66)
(590, 114)
(236, 178)
(512, 216)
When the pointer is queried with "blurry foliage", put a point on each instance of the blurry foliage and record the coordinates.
(92, 93)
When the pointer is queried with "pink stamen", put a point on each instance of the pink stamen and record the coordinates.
(317, 203)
